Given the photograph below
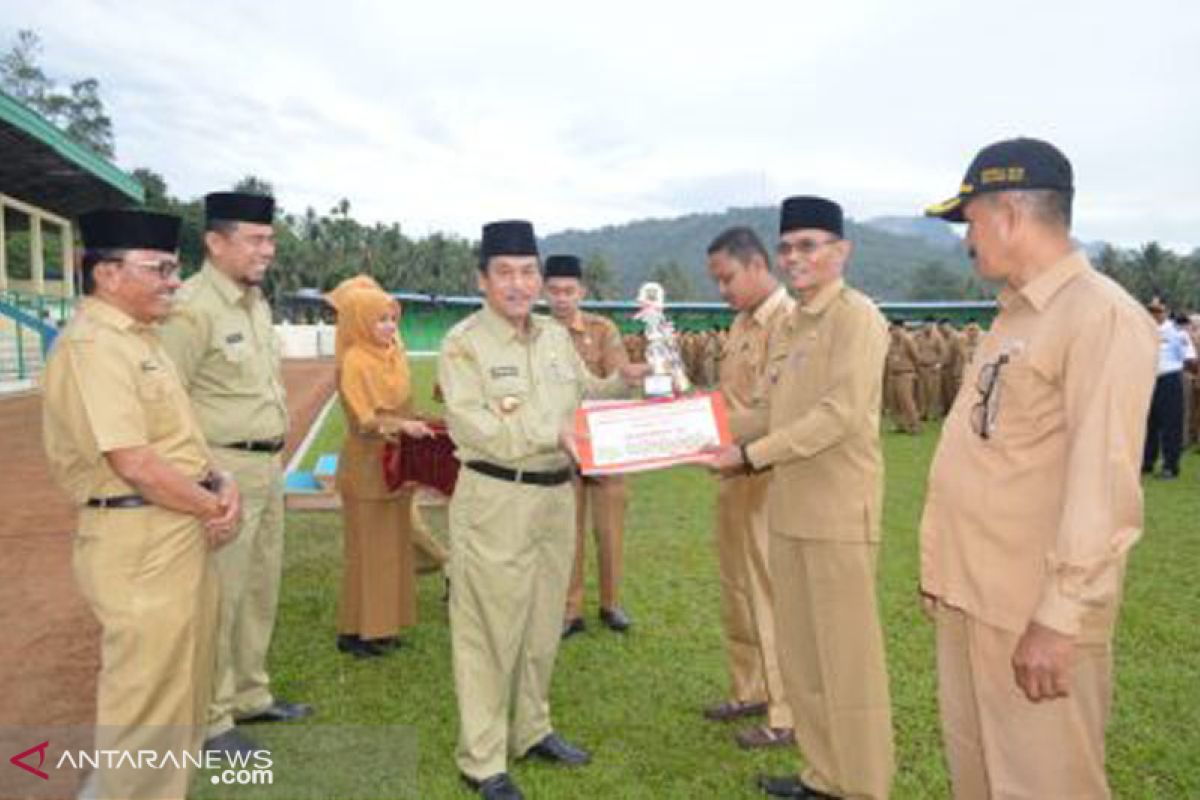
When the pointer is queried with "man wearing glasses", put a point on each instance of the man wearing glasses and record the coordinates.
(122, 441)
(1034, 494)
(225, 350)
(825, 376)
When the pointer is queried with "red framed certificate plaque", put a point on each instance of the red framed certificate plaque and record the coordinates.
(617, 437)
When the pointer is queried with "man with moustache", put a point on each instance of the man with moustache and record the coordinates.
(1034, 494)
(228, 357)
(738, 263)
(122, 441)
(824, 504)
(512, 382)
(598, 343)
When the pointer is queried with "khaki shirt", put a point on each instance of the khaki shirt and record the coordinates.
(225, 350)
(931, 350)
(826, 377)
(598, 343)
(108, 385)
(509, 396)
(953, 353)
(744, 360)
(901, 354)
(1034, 521)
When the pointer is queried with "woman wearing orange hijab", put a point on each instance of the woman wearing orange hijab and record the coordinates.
(379, 579)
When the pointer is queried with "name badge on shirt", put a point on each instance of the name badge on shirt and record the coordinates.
(504, 372)
(234, 338)
(149, 366)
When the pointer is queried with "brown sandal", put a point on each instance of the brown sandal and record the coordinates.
(765, 736)
(732, 709)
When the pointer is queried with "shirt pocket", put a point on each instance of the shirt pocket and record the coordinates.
(507, 393)
(1024, 409)
(159, 403)
(232, 346)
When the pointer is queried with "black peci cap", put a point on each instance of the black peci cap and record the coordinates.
(806, 211)
(560, 266)
(129, 229)
(239, 207)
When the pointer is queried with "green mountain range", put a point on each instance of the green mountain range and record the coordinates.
(888, 251)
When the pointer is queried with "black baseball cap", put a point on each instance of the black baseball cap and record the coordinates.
(1010, 165)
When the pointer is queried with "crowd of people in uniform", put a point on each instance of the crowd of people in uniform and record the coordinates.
(165, 417)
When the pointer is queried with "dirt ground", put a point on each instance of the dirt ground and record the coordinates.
(49, 646)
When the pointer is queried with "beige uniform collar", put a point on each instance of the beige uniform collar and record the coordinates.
(1042, 289)
(107, 314)
(766, 309)
(230, 290)
(504, 330)
(816, 307)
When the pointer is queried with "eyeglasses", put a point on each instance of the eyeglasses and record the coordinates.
(165, 269)
(984, 413)
(804, 247)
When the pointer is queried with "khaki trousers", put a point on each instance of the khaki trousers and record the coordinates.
(606, 498)
(379, 579)
(747, 598)
(999, 745)
(930, 392)
(902, 401)
(831, 654)
(512, 547)
(249, 569)
(146, 573)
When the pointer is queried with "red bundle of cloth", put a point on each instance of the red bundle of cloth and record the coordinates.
(428, 462)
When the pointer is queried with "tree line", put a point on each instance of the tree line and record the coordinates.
(317, 250)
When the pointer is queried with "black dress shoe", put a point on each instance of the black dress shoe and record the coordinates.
(386, 644)
(554, 748)
(495, 787)
(573, 626)
(357, 647)
(616, 619)
(279, 711)
(791, 786)
(233, 744)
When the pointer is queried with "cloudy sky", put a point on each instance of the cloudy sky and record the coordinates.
(442, 114)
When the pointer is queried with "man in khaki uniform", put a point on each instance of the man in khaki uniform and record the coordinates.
(1034, 494)
(900, 380)
(823, 510)
(738, 263)
(598, 343)
(225, 350)
(512, 382)
(930, 355)
(952, 364)
(121, 440)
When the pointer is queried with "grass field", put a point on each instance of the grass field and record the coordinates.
(633, 700)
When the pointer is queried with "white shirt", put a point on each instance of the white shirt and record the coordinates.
(1174, 347)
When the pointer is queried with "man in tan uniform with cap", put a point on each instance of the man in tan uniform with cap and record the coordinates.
(823, 510)
(512, 382)
(225, 350)
(121, 440)
(598, 343)
(1034, 494)
(738, 263)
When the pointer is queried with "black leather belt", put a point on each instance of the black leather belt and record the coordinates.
(210, 482)
(550, 478)
(257, 446)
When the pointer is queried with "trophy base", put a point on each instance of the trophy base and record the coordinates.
(658, 386)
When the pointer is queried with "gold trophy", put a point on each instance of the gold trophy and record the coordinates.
(667, 376)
